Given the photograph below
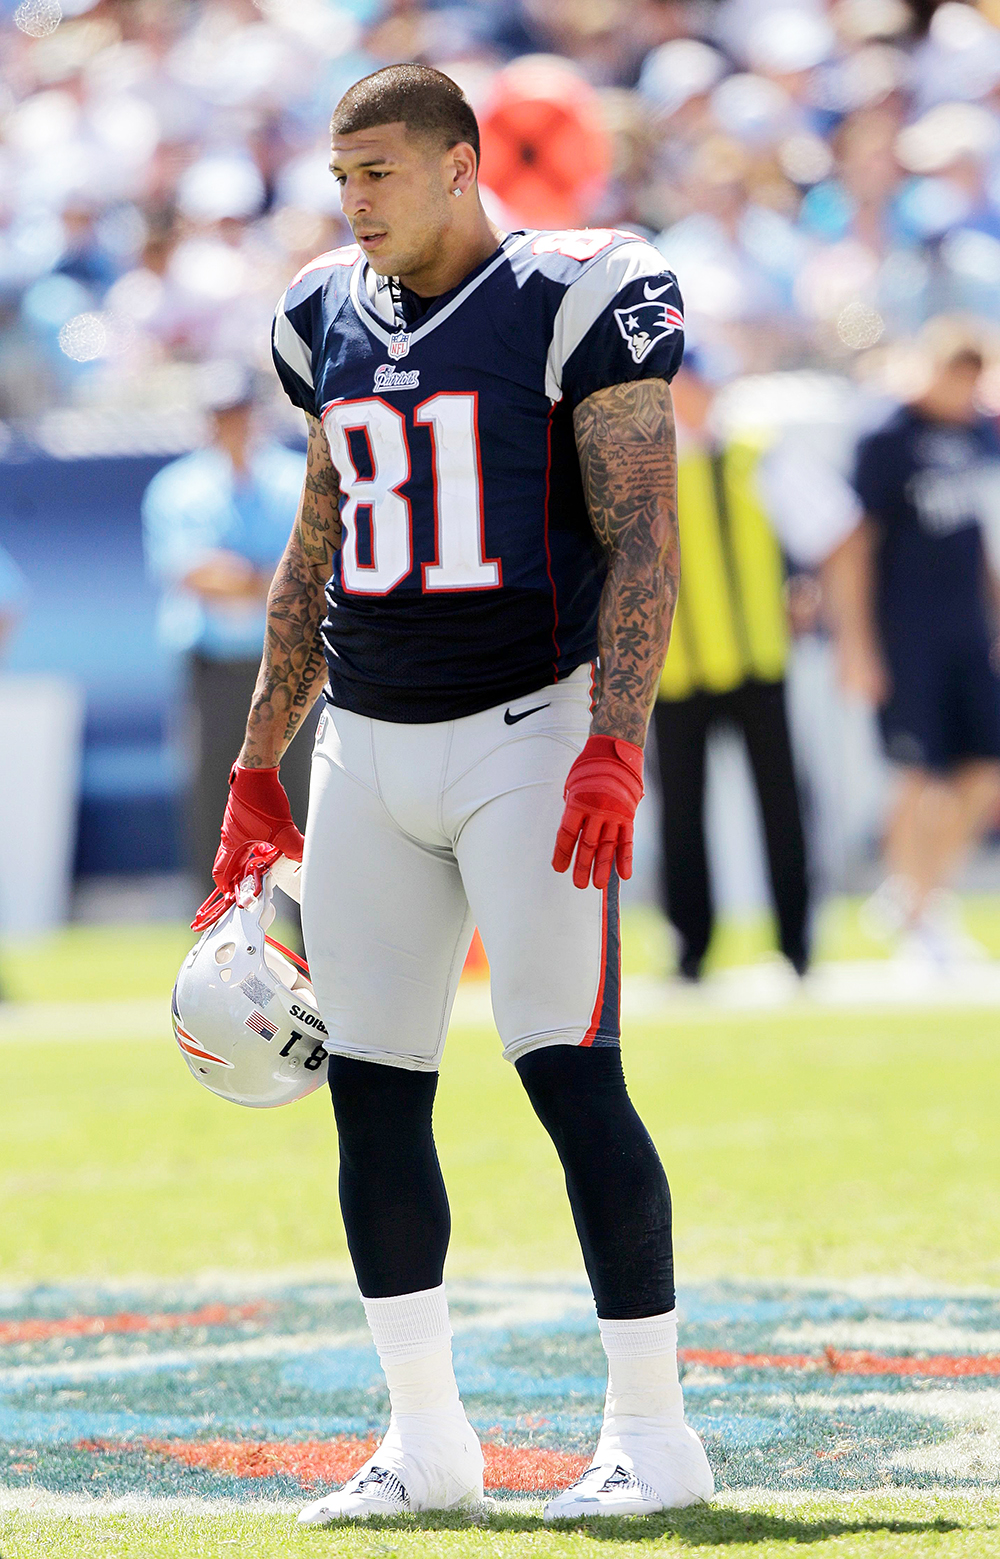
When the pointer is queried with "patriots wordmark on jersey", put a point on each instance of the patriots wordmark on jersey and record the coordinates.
(469, 572)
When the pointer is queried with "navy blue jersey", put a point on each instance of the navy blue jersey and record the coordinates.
(929, 487)
(469, 572)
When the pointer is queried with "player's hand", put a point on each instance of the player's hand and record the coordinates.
(257, 812)
(603, 789)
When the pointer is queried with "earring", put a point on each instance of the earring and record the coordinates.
(456, 191)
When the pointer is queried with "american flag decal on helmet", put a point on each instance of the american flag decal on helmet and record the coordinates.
(261, 1025)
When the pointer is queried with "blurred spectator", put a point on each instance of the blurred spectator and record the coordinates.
(725, 666)
(820, 175)
(913, 593)
(215, 524)
(12, 592)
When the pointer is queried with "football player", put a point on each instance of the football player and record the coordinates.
(483, 571)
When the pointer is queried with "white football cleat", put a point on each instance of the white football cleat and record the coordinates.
(635, 1474)
(424, 1463)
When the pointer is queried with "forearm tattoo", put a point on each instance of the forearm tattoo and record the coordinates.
(292, 671)
(628, 458)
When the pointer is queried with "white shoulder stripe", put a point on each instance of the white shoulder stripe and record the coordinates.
(588, 296)
(290, 346)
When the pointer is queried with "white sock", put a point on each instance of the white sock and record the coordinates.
(642, 1373)
(412, 1334)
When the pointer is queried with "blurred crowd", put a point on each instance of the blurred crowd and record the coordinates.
(822, 177)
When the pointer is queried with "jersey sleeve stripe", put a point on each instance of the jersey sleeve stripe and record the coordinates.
(587, 298)
(290, 346)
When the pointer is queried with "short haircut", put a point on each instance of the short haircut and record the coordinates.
(425, 100)
(957, 340)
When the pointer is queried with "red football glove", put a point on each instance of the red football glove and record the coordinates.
(257, 812)
(603, 789)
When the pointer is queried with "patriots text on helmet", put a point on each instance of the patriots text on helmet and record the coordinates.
(310, 1019)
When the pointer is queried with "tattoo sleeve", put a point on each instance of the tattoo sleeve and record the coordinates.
(292, 672)
(628, 458)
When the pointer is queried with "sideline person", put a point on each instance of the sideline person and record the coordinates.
(215, 523)
(725, 667)
(912, 594)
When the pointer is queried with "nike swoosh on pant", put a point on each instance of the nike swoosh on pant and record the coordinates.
(509, 719)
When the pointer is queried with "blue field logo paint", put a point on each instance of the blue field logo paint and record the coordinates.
(278, 1391)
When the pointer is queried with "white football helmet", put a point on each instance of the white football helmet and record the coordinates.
(243, 1010)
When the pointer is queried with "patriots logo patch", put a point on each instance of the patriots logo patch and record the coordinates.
(644, 324)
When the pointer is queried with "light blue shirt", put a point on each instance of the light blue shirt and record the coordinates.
(12, 584)
(197, 505)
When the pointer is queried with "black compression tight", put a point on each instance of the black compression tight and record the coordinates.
(391, 1192)
(393, 1197)
(617, 1189)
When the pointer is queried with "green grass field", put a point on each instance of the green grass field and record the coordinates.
(800, 1144)
(871, 1528)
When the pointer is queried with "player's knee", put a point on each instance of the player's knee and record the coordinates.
(376, 1105)
(568, 1082)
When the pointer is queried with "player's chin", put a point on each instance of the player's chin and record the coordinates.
(377, 250)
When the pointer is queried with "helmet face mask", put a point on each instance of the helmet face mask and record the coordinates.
(243, 1010)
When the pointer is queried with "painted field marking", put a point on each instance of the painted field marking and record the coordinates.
(36, 1329)
(287, 1408)
(516, 1468)
(526, 1307)
(111, 1365)
(846, 1362)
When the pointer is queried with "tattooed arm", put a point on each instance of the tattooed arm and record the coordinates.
(292, 672)
(628, 458)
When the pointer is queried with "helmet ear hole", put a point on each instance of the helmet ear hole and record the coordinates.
(225, 975)
(223, 954)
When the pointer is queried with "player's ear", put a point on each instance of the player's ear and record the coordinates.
(460, 168)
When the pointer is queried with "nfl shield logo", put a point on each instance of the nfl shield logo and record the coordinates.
(399, 344)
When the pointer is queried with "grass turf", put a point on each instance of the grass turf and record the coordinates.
(90, 963)
(798, 1143)
(872, 1527)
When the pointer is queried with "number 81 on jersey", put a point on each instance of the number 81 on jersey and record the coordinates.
(459, 561)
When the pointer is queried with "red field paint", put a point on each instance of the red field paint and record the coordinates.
(846, 1362)
(948, 1365)
(310, 1461)
(130, 1321)
(518, 1469)
(724, 1359)
(525, 1469)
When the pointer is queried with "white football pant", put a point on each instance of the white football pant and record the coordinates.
(418, 833)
